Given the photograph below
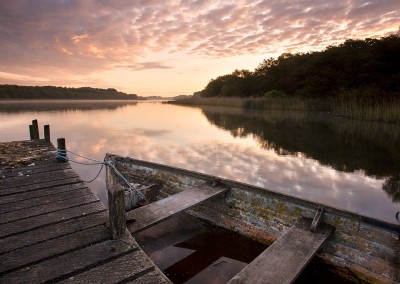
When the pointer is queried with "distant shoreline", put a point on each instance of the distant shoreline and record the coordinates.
(16, 92)
(50, 99)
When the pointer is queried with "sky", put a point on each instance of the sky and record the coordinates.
(170, 47)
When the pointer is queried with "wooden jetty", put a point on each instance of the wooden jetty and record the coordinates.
(54, 229)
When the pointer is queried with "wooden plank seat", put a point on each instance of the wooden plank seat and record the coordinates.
(156, 212)
(285, 259)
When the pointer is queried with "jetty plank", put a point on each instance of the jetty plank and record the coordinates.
(33, 254)
(285, 259)
(55, 182)
(124, 268)
(57, 189)
(43, 200)
(50, 218)
(156, 212)
(52, 231)
(38, 178)
(47, 208)
(153, 277)
(33, 170)
(65, 265)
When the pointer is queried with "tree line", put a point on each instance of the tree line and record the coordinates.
(369, 68)
(52, 92)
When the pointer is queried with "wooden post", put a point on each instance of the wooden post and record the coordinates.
(116, 208)
(35, 129)
(31, 134)
(61, 150)
(47, 133)
(116, 205)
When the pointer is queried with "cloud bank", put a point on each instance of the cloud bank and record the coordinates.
(81, 37)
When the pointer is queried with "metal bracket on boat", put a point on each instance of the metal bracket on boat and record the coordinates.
(317, 218)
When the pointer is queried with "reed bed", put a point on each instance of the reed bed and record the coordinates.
(387, 110)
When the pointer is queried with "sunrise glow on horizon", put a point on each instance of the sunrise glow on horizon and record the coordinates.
(169, 48)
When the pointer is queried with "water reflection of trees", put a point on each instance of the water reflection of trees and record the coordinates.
(392, 187)
(345, 145)
(61, 105)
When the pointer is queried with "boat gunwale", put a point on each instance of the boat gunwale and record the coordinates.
(278, 195)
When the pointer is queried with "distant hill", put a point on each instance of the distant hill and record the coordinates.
(52, 92)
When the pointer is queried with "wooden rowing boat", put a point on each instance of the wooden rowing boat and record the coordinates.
(359, 248)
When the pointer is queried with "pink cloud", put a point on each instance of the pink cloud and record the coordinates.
(88, 36)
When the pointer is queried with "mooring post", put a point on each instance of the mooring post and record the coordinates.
(116, 208)
(35, 127)
(47, 133)
(31, 134)
(61, 150)
(116, 204)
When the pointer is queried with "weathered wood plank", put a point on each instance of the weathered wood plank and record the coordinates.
(153, 277)
(47, 208)
(124, 268)
(285, 259)
(56, 182)
(26, 172)
(37, 165)
(35, 253)
(153, 213)
(33, 170)
(50, 218)
(57, 189)
(43, 200)
(63, 266)
(52, 231)
(38, 178)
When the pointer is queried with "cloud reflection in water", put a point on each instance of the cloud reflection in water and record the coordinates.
(183, 137)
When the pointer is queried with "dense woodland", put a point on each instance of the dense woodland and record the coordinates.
(369, 68)
(51, 92)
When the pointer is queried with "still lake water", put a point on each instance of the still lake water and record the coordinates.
(347, 164)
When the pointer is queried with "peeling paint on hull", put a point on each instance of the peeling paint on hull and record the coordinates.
(361, 249)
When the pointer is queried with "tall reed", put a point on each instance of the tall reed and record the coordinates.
(356, 107)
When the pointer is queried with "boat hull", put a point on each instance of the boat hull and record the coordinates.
(361, 248)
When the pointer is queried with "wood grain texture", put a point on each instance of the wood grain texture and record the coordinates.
(47, 208)
(153, 213)
(285, 259)
(51, 231)
(127, 267)
(44, 200)
(56, 189)
(34, 253)
(53, 228)
(68, 264)
(50, 218)
(64, 180)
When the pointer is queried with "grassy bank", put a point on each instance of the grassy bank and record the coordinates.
(363, 109)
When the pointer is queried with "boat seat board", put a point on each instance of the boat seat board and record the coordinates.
(285, 259)
(156, 212)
